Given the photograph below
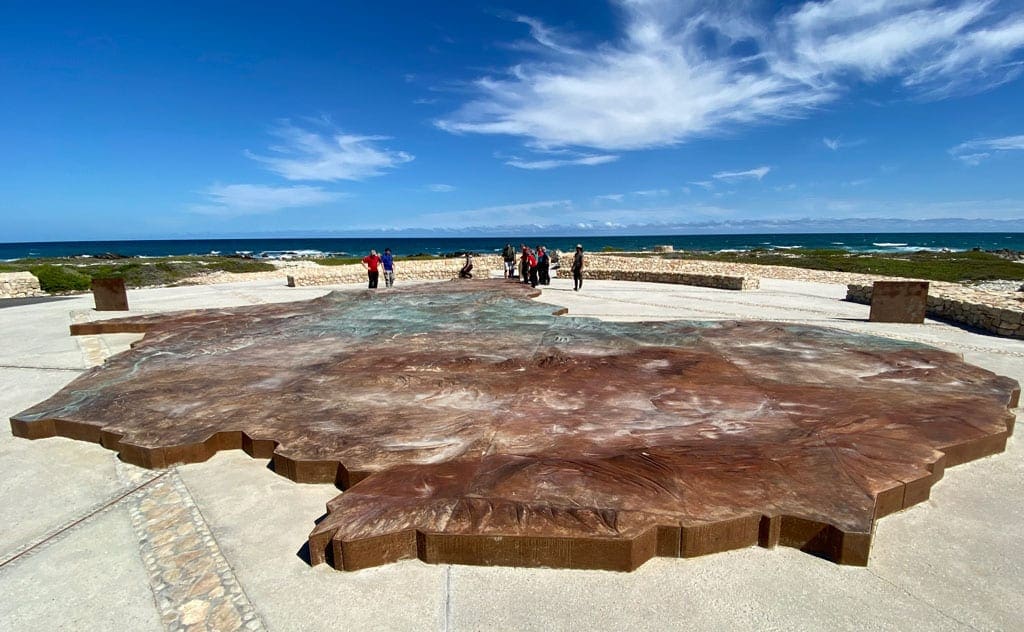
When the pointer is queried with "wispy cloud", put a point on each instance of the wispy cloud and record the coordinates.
(552, 163)
(303, 154)
(611, 197)
(704, 184)
(673, 72)
(233, 200)
(857, 183)
(751, 174)
(651, 192)
(973, 152)
(835, 144)
(440, 188)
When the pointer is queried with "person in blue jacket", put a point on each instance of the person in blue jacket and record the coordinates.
(389, 268)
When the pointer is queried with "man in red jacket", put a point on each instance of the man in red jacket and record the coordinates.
(372, 264)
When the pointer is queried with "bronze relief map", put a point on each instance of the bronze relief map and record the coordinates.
(468, 424)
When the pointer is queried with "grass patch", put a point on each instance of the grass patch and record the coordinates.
(953, 267)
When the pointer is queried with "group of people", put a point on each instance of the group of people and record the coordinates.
(374, 263)
(535, 266)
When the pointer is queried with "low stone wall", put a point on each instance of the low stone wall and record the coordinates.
(19, 284)
(981, 310)
(426, 270)
(719, 281)
(483, 267)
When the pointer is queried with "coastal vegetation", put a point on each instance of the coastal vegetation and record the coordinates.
(74, 274)
(954, 267)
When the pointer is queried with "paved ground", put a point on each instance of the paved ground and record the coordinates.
(92, 543)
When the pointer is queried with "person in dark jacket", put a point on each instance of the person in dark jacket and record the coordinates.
(577, 268)
(543, 263)
(509, 256)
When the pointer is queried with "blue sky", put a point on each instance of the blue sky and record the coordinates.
(139, 120)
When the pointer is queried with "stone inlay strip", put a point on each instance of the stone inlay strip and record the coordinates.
(193, 584)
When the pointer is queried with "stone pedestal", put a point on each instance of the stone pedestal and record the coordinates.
(899, 301)
(110, 295)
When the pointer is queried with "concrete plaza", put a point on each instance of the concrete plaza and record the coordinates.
(91, 543)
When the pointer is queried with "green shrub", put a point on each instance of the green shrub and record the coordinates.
(241, 265)
(61, 279)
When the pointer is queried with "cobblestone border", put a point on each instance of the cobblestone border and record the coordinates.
(193, 585)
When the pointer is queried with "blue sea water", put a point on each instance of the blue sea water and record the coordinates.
(291, 247)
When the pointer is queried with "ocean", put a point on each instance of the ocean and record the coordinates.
(285, 248)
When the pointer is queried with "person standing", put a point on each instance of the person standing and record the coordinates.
(524, 264)
(577, 268)
(509, 256)
(372, 264)
(543, 263)
(388, 262)
(531, 261)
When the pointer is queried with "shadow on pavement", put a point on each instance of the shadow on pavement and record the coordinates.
(32, 300)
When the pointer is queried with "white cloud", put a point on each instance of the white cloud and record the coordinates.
(308, 155)
(440, 188)
(835, 144)
(233, 200)
(551, 163)
(973, 152)
(613, 197)
(651, 192)
(733, 176)
(704, 184)
(673, 73)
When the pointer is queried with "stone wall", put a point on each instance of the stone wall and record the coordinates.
(425, 270)
(719, 281)
(484, 267)
(982, 310)
(19, 284)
